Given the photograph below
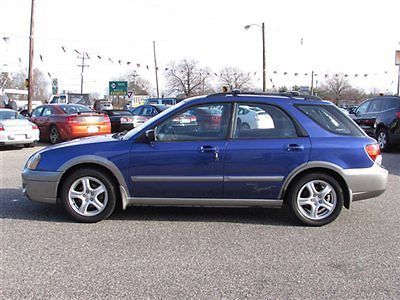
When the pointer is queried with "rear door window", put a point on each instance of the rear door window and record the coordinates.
(331, 118)
(261, 121)
(375, 106)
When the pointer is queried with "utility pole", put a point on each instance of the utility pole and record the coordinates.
(312, 83)
(83, 68)
(156, 68)
(31, 52)
(263, 46)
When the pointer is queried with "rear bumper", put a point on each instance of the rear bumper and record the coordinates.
(40, 186)
(366, 182)
(7, 138)
(79, 131)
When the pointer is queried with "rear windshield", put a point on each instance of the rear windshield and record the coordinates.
(74, 108)
(332, 119)
(10, 115)
(120, 113)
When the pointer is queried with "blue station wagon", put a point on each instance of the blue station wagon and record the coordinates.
(287, 151)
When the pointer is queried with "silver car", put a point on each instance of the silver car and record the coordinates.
(16, 130)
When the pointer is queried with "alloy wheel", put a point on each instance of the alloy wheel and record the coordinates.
(54, 136)
(382, 139)
(316, 200)
(88, 196)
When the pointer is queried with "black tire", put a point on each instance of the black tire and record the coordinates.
(54, 135)
(301, 213)
(110, 194)
(31, 145)
(383, 140)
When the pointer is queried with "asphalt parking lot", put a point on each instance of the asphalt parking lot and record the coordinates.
(207, 253)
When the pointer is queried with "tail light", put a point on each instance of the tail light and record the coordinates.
(126, 120)
(374, 152)
(1, 127)
(193, 119)
(398, 115)
(107, 119)
(72, 120)
(34, 127)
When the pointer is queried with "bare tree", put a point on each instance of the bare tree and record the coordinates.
(335, 88)
(41, 84)
(186, 78)
(138, 85)
(234, 78)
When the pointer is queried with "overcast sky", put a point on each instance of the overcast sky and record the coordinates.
(329, 37)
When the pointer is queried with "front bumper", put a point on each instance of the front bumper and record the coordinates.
(41, 186)
(366, 182)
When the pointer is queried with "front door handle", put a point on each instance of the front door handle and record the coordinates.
(210, 149)
(294, 147)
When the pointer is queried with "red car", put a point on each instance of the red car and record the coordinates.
(58, 122)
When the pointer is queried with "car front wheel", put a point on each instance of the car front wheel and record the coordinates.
(315, 199)
(88, 195)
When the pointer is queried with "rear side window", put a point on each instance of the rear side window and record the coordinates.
(331, 118)
(390, 104)
(375, 106)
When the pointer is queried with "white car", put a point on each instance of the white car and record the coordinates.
(254, 117)
(16, 130)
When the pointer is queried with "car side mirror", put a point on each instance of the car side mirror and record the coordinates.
(150, 135)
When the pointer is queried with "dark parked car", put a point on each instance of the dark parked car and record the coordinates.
(121, 120)
(145, 112)
(311, 158)
(380, 118)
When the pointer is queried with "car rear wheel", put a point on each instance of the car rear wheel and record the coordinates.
(315, 199)
(383, 140)
(54, 135)
(88, 195)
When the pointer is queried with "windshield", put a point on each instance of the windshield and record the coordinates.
(154, 119)
(10, 115)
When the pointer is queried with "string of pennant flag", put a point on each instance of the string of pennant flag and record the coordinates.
(124, 62)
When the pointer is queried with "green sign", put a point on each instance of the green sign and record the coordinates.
(118, 88)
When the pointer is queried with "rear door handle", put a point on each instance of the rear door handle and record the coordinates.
(294, 147)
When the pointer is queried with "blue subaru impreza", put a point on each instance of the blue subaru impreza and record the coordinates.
(228, 149)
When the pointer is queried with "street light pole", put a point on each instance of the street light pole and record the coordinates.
(263, 52)
(156, 68)
(263, 46)
(31, 51)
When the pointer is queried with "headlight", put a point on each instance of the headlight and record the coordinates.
(33, 162)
